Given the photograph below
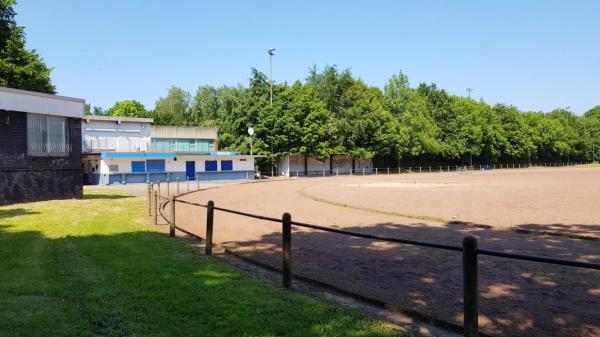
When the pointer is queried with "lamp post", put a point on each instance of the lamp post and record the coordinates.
(469, 91)
(271, 53)
(251, 132)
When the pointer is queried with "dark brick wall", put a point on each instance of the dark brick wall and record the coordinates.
(30, 178)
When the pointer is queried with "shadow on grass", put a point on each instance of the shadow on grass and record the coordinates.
(105, 196)
(516, 297)
(143, 283)
(9, 213)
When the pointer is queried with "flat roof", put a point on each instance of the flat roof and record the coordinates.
(40, 94)
(40, 103)
(118, 119)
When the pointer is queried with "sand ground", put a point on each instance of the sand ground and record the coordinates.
(516, 297)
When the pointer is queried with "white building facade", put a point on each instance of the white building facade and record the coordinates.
(132, 150)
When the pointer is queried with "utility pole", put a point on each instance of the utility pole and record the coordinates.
(271, 53)
(469, 91)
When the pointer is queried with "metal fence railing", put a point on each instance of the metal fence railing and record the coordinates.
(157, 204)
(326, 172)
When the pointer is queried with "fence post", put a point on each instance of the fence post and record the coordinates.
(286, 222)
(187, 179)
(197, 182)
(420, 170)
(158, 183)
(177, 185)
(172, 224)
(363, 170)
(168, 187)
(337, 172)
(155, 208)
(470, 287)
(210, 211)
(323, 173)
(376, 171)
(149, 197)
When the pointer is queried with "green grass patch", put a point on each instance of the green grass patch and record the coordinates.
(92, 267)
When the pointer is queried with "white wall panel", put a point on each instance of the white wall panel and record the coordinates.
(33, 102)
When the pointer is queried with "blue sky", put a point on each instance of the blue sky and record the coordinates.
(537, 55)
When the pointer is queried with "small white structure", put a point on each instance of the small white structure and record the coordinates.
(299, 165)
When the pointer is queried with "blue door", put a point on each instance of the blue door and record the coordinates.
(190, 169)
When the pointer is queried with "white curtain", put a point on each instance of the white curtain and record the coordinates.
(47, 135)
(36, 134)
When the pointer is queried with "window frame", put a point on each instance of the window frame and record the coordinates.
(47, 135)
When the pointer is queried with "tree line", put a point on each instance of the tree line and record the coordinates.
(333, 112)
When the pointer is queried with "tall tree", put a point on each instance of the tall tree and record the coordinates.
(173, 109)
(20, 68)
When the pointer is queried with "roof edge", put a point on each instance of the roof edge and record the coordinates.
(41, 94)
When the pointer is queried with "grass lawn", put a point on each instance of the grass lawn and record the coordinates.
(93, 267)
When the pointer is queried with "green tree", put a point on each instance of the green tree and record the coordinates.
(205, 107)
(128, 108)
(20, 68)
(173, 109)
(397, 93)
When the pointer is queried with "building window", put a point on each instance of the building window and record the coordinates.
(210, 165)
(138, 166)
(155, 165)
(226, 165)
(47, 135)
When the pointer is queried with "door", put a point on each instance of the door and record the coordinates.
(190, 169)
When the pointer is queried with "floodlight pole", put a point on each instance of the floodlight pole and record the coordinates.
(271, 53)
(469, 91)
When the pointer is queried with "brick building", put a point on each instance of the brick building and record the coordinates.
(40, 146)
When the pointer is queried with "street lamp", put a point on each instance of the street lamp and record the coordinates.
(469, 91)
(271, 53)
(251, 132)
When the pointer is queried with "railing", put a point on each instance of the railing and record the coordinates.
(469, 249)
(326, 172)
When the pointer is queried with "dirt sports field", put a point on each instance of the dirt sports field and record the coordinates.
(516, 297)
